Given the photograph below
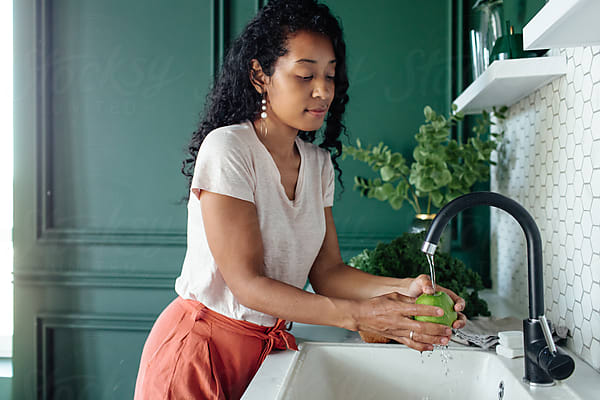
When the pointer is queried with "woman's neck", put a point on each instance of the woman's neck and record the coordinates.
(279, 139)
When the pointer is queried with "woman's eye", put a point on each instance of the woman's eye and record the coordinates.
(307, 78)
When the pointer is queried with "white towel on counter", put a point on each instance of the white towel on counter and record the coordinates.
(483, 331)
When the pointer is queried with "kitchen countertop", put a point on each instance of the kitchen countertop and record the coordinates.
(270, 376)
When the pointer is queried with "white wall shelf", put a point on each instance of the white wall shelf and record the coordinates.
(505, 82)
(563, 23)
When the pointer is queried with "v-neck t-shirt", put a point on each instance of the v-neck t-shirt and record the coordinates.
(232, 161)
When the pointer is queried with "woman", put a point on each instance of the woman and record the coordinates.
(260, 220)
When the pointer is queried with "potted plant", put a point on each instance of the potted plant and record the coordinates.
(442, 169)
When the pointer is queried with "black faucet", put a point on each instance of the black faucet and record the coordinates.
(543, 361)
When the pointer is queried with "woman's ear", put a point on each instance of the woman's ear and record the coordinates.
(257, 76)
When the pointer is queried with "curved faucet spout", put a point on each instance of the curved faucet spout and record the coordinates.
(543, 362)
(532, 235)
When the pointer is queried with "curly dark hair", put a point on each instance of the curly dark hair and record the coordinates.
(233, 99)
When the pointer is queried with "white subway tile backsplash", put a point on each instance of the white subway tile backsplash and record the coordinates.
(570, 93)
(578, 210)
(586, 194)
(595, 323)
(578, 78)
(595, 295)
(555, 102)
(586, 245)
(586, 89)
(586, 307)
(587, 115)
(562, 302)
(578, 106)
(595, 182)
(555, 289)
(596, 224)
(595, 127)
(578, 134)
(586, 59)
(586, 280)
(596, 147)
(577, 287)
(552, 166)
(570, 73)
(577, 54)
(587, 148)
(595, 98)
(577, 341)
(595, 70)
(568, 320)
(570, 153)
(578, 266)
(595, 352)
(586, 332)
(595, 264)
(569, 295)
(578, 316)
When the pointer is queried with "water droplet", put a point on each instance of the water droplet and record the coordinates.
(444, 357)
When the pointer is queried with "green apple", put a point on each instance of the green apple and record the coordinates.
(441, 300)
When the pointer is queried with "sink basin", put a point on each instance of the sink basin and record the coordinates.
(383, 371)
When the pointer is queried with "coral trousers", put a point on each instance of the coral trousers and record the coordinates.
(193, 352)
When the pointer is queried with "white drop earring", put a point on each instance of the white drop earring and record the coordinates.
(263, 116)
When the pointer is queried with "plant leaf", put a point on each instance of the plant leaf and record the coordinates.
(387, 173)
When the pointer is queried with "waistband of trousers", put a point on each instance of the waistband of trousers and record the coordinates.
(200, 311)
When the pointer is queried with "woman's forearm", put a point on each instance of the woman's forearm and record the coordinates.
(389, 315)
(287, 302)
(343, 281)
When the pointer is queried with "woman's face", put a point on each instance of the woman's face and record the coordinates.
(302, 86)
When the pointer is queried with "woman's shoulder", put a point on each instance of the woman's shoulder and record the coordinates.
(228, 137)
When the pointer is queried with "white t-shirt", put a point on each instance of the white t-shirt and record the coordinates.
(234, 162)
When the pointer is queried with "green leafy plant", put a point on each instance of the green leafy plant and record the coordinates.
(442, 170)
(402, 257)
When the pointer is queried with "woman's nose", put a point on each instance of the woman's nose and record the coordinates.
(323, 89)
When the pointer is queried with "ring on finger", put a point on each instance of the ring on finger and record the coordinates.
(410, 336)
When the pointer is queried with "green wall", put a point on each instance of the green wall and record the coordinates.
(5, 388)
(107, 94)
(400, 59)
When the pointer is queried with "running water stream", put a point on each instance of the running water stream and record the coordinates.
(444, 354)
(431, 270)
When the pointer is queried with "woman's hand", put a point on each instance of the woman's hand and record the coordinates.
(422, 284)
(390, 315)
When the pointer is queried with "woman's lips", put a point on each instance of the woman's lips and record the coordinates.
(317, 113)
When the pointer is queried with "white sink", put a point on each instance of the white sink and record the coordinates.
(330, 371)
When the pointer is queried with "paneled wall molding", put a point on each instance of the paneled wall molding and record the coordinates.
(75, 278)
(44, 324)
(260, 4)
(219, 32)
(65, 278)
(143, 238)
(120, 238)
(46, 230)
